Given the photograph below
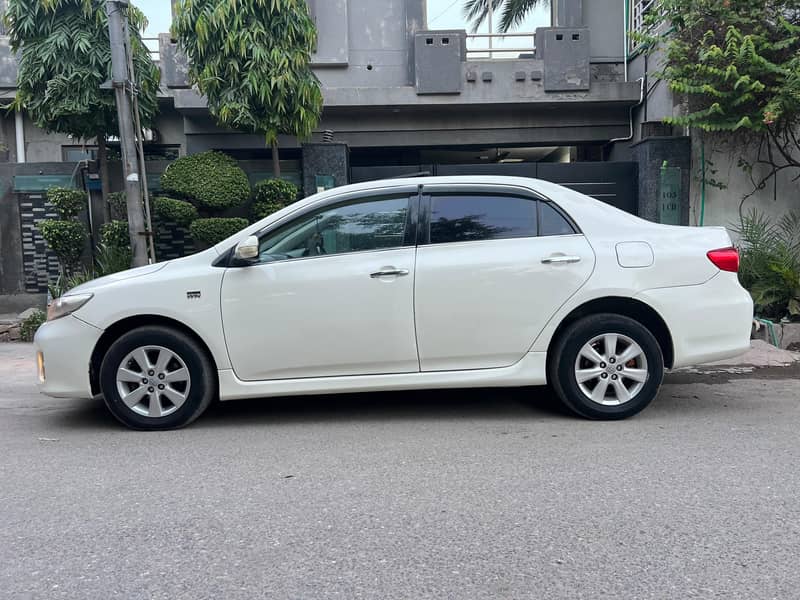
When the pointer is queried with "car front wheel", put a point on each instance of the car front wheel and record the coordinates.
(155, 378)
(606, 366)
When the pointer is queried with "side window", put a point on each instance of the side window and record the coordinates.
(473, 217)
(373, 224)
(553, 222)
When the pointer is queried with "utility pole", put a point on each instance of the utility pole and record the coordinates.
(120, 81)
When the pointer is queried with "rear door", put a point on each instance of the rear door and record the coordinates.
(492, 267)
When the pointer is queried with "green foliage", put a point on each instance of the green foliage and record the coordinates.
(118, 204)
(271, 195)
(64, 56)
(214, 230)
(211, 180)
(737, 63)
(251, 59)
(68, 202)
(66, 239)
(115, 235)
(770, 263)
(513, 12)
(177, 211)
(30, 325)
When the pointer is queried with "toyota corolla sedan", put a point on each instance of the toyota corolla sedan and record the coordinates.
(439, 282)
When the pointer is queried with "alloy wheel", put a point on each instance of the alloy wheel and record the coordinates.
(153, 381)
(611, 369)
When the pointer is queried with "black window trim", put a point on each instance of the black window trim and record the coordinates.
(424, 233)
(226, 260)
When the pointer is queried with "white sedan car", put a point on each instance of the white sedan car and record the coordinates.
(439, 282)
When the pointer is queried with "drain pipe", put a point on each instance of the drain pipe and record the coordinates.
(630, 115)
(19, 130)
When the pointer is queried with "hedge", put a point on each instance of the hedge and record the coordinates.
(68, 202)
(210, 180)
(271, 195)
(214, 230)
(66, 239)
(30, 325)
(115, 235)
(178, 211)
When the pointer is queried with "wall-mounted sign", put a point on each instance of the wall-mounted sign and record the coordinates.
(38, 183)
(669, 196)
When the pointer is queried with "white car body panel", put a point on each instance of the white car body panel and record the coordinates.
(306, 330)
(332, 317)
(475, 309)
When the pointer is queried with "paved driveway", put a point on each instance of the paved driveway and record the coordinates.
(474, 494)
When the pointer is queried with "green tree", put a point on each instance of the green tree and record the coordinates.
(737, 64)
(512, 12)
(64, 57)
(251, 59)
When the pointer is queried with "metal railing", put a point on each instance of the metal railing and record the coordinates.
(485, 45)
(152, 46)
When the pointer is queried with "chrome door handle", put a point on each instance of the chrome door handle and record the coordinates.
(389, 273)
(560, 259)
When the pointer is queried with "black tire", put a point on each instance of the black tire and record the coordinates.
(561, 370)
(199, 393)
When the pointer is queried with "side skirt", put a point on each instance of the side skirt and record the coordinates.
(530, 370)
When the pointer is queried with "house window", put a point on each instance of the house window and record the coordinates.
(640, 10)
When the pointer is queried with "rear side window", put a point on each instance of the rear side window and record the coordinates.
(553, 222)
(475, 217)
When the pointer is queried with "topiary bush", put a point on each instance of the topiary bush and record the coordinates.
(66, 239)
(213, 230)
(115, 235)
(271, 195)
(118, 206)
(68, 202)
(29, 326)
(211, 180)
(177, 211)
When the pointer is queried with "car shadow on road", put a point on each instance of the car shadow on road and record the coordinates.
(419, 405)
(485, 404)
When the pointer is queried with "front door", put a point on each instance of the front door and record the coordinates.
(493, 271)
(332, 294)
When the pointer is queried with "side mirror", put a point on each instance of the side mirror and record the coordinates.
(247, 250)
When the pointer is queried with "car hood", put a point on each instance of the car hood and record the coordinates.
(115, 277)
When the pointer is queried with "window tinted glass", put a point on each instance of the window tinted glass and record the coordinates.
(553, 222)
(377, 223)
(472, 217)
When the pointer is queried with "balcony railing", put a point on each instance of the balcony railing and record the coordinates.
(152, 46)
(500, 45)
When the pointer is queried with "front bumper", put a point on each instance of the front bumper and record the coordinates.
(65, 346)
(708, 322)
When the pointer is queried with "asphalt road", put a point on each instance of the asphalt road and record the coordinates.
(469, 494)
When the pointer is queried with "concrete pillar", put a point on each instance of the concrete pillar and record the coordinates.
(325, 166)
(567, 13)
(656, 156)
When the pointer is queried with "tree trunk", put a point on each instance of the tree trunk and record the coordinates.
(102, 161)
(276, 160)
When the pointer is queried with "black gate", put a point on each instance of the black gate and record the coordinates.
(615, 183)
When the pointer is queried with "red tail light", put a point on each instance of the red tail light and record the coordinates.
(726, 259)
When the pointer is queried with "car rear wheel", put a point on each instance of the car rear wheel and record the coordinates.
(606, 366)
(155, 378)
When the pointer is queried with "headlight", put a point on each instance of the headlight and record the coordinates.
(65, 305)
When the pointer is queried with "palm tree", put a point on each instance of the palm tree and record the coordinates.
(513, 11)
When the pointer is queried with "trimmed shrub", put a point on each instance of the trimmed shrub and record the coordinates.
(214, 230)
(115, 235)
(177, 211)
(66, 239)
(30, 325)
(211, 180)
(118, 206)
(271, 195)
(68, 202)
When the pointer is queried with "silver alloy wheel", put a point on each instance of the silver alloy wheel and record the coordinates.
(153, 381)
(611, 369)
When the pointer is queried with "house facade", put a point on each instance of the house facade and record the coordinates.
(561, 103)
